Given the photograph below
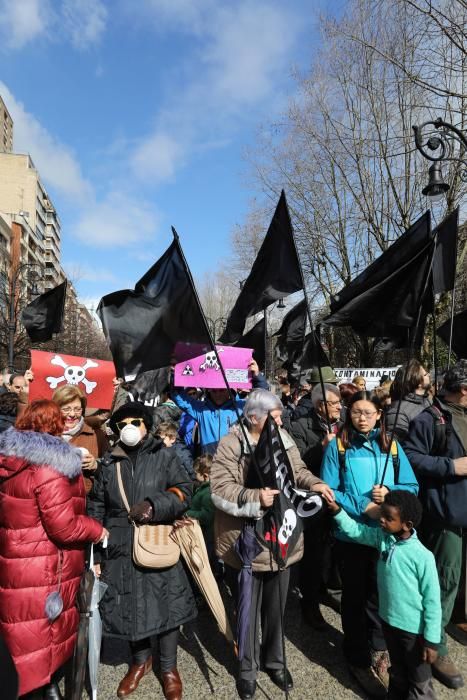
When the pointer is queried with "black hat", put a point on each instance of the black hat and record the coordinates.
(131, 409)
(456, 376)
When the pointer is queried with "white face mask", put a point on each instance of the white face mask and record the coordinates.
(130, 435)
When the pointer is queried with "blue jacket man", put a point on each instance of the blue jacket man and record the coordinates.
(437, 449)
(217, 414)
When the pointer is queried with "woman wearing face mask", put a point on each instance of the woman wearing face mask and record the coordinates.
(141, 605)
(353, 466)
(92, 443)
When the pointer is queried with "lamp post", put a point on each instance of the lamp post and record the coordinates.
(437, 142)
(11, 314)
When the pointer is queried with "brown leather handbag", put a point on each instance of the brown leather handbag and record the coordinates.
(153, 548)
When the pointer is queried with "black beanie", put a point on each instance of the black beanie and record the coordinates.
(131, 409)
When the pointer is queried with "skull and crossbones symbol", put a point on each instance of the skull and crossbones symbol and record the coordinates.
(210, 361)
(285, 532)
(72, 374)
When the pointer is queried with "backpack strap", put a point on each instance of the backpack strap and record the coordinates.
(340, 453)
(395, 461)
(441, 430)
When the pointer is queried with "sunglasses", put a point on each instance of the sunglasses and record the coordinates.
(134, 421)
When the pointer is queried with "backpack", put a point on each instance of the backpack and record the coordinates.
(442, 432)
(393, 451)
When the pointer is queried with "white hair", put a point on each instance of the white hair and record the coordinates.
(317, 393)
(260, 402)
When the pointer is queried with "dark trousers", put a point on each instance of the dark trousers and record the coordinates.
(311, 567)
(361, 622)
(168, 642)
(269, 591)
(409, 675)
(446, 545)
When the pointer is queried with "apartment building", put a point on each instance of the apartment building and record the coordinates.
(6, 129)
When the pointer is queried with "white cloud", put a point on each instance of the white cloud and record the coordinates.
(157, 157)
(120, 220)
(242, 53)
(84, 21)
(55, 162)
(21, 21)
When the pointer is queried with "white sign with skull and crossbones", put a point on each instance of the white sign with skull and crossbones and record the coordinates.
(210, 361)
(72, 374)
(288, 526)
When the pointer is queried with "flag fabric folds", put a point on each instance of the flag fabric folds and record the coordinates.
(444, 262)
(44, 316)
(275, 274)
(392, 293)
(254, 339)
(459, 333)
(144, 325)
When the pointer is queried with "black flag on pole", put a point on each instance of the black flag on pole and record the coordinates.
(459, 333)
(390, 294)
(254, 338)
(144, 325)
(444, 262)
(275, 274)
(44, 316)
(291, 336)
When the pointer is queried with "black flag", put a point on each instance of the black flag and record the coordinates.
(144, 326)
(275, 274)
(314, 354)
(281, 526)
(291, 336)
(393, 292)
(44, 316)
(254, 338)
(459, 333)
(444, 262)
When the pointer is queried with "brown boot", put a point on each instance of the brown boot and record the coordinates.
(130, 682)
(172, 684)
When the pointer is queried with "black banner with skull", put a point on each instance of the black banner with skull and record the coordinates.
(281, 525)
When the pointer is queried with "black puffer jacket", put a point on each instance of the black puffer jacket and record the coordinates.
(140, 602)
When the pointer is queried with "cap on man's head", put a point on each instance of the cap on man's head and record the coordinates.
(456, 376)
(328, 376)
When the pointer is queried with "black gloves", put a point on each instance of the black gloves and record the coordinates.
(141, 512)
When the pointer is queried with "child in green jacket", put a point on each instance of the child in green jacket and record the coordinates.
(202, 507)
(408, 589)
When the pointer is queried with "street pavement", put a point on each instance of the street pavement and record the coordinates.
(207, 665)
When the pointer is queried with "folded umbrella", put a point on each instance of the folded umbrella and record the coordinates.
(247, 549)
(95, 628)
(193, 549)
(80, 654)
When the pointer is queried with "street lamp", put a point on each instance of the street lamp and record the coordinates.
(11, 314)
(438, 144)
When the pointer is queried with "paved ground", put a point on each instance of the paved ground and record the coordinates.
(207, 665)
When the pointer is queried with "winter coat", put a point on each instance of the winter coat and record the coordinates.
(442, 493)
(96, 442)
(6, 422)
(166, 412)
(140, 602)
(42, 518)
(202, 508)
(303, 408)
(186, 432)
(185, 458)
(364, 465)
(411, 406)
(309, 432)
(214, 421)
(235, 504)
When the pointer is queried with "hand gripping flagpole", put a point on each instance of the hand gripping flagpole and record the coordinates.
(214, 349)
(411, 348)
(313, 339)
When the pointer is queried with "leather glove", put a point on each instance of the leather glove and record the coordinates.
(141, 512)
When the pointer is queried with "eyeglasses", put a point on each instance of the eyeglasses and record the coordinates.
(367, 414)
(71, 409)
(134, 421)
(333, 403)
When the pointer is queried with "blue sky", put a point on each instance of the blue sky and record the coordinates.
(137, 114)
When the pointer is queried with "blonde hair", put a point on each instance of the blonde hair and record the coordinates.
(67, 394)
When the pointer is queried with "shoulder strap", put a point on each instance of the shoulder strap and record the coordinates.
(341, 453)
(395, 461)
(441, 430)
(120, 486)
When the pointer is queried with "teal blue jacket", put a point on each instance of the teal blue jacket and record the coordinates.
(408, 584)
(364, 465)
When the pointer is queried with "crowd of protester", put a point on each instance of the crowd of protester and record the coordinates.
(390, 465)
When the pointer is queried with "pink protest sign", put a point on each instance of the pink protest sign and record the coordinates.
(204, 371)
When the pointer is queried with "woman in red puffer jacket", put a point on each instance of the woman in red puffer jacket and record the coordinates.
(43, 533)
